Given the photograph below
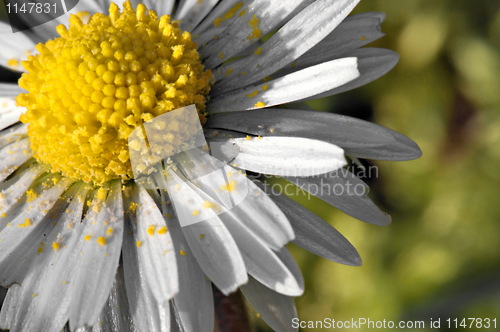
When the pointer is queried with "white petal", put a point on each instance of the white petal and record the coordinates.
(261, 17)
(12, 134)
(372, 64)
(147, 313)
(14, 46)
(217, 253)
(10, 307)
(14, 188)
(192, 15)
(9, 112)
(10, 90)
(219, 11)
(341, 130)
(115, 315)
(99, 259)
(250, 205)
(162, 7)
(288, 156)
(358, 138)
(276, 309)
(292, 87)
(297, 36)
(12, 156)
(353, 33)
(24, 228)
(261, 215)
(291, 265)
(194, 302)
(44, 294)
(208, 239)
(152, 244)
(261, 262)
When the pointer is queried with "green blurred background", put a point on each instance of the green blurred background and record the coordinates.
(440, 257)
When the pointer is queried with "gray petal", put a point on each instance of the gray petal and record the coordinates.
(346, 192)
(316, 235)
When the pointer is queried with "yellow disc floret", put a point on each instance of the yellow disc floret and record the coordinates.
(91, 87)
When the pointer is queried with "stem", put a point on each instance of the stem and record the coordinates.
(230, 312)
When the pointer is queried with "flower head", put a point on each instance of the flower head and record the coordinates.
(188, 106)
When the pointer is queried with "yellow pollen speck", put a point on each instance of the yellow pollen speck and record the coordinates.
(96, 207)
(253, 94)
(151, 230)
(109, 231)
(182, 252)
(221, 55)
(267, 79)
(265, 87)
(101, 240)
(56, 246)
(168, 215)
(362, 38)
(207, 205)
(259, 137)
(271, 130)
(231, 186)
(228, 72)
(202, 236)
(102, 193)
(34, 295)
(254, 24)
(88, 89)
(133, 206)
(259, 104)
(13, 63)
(163, 230)
(138, 244)
(195, 213)
(4, 215)
(87, 237)
(27, 223)
(82, 14)
(248, 138)
(228, 15)
(30, 195)
(258, 51)
(64, 282)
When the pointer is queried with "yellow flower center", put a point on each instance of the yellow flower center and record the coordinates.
(89, 89)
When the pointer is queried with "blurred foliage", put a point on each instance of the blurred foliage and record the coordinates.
(441, 255)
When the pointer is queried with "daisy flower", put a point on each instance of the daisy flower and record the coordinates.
(114, 213)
